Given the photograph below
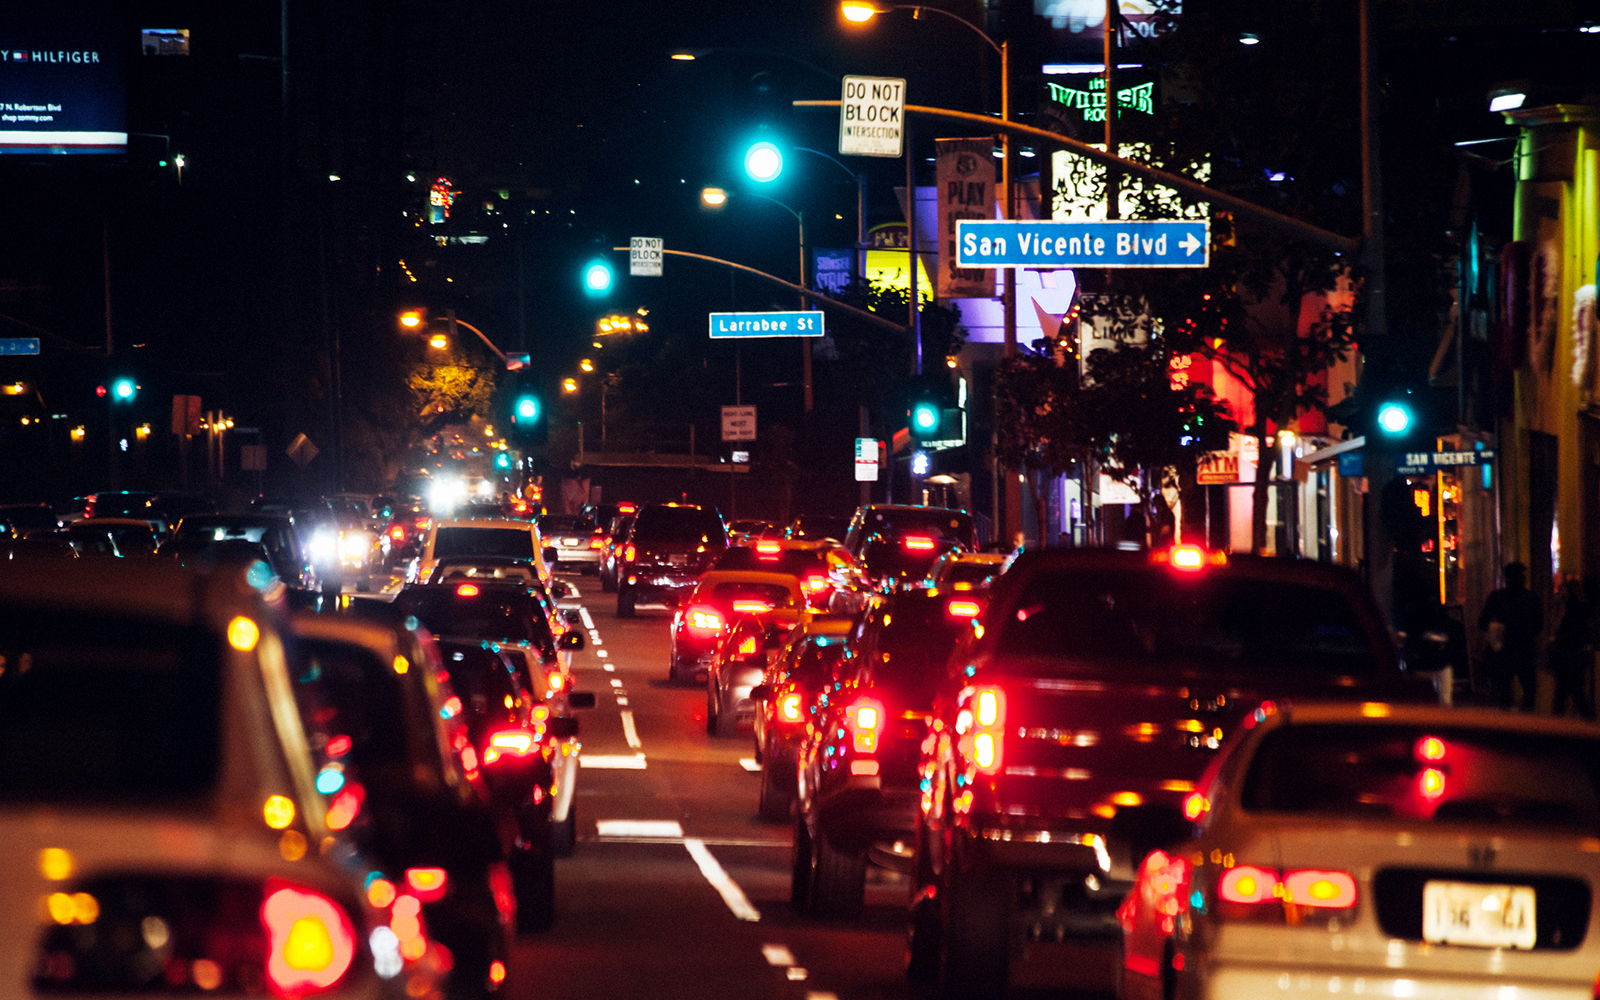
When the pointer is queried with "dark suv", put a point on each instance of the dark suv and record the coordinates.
(668, 548)
(1070, 733)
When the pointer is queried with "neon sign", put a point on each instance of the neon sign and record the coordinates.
(1092, 102)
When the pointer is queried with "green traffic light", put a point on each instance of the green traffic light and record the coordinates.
(124, 389)
(925, 418)
(763, 162)
(1394, 418)
(502, 461)
(597, 277)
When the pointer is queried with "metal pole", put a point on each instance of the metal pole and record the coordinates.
(914, 319)
(1113, 204)
(1371, 188)
(805, 342)
(861, 227)
(1008, 518)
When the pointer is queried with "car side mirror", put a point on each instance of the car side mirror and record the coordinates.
(571, 640)
(562, 589)
(572, 616)
(580, 699)
(550, 555)
(761, 692)
(561, 727)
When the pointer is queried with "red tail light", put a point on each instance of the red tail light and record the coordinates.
(1431, 783)
(814, 584)
(346, 806)
(597, 542)
(555, 680)
(981, 728)
(467, 590)
(311, 944)
(1189, 558)
(628, 553)
(423, 524)
(865, 719)
(704, 619)
(1326, 889)
(1195, 805)
(398, 533)
(427, 883)
(965, 609)
(1430, 748)
(747, 647)
(919, 543)
(1248, 884)
(518, 742)
(752, 607)
(768, 550)
(789, 707)
(626, 508)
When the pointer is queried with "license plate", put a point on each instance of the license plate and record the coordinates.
(678, 559)
(1483, 916)
(569, 541)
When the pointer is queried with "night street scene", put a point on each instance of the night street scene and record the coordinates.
(802, 500)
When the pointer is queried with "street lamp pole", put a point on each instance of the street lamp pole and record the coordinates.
(805, 344)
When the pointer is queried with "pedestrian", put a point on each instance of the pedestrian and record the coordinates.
(1513, 619)
(1572, 651)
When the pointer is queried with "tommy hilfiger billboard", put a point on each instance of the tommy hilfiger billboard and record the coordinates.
(61, 81)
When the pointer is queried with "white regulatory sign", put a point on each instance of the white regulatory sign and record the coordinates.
(738, 423)
(644, 256)
(872, 115)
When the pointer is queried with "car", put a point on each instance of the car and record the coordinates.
(1095, 689)
(114, 536)
(747, 530)
(858, 779)
(319, 530)
(699, 623)
(18, 520)
(611, 549)
(200, 534)
(383, 739)
(964, 571)
(114, 503)
(175, 848)
(668, 547)
(893, 522)
(812, 527)
(738, 664)
(452, 536)
(785, 704)
(1398, 850)
(576, 539)
(403, 532)
(820, 565)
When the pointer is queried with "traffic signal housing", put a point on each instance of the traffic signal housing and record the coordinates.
(932, 418)
(528, 419)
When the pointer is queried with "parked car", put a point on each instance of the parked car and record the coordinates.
(699, 624)
(1094, 693)
(1396, 850)
(668, 547)
(160, 814)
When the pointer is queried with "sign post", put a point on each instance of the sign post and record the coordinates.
(644, 256)
(872, 116)
(1110, 243)
(738, 423)
(866, 460)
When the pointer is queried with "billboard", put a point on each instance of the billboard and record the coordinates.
(61, 81)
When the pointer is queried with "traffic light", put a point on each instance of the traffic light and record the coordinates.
(502, 461)
(122, 390)
(934, 413)
(1395, 418)
(597, 278)
(527, 419)
(925, 419)
(763, 162)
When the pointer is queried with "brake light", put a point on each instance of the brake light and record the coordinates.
(752, 607)
(703, 619)
(626, 508)
(865, 718)
(310, 941)
(747, 647)
(513, 741)
(1431, 783)
(467, 590)
(965, 609)
(1326, 889)
(1195, 805)
(768, 550)
(346, 806)
(427, 883)
(628, 553)
(986, 718)
(1189, 558)
(597, 542)
(555, 680)
(1248, 884)
(919, 543)
(423, 524)
(814, 584)
(789, 707)
(398, 533)
(380, 892)
(1430, 748)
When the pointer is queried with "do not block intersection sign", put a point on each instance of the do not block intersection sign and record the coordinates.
(1130, 243)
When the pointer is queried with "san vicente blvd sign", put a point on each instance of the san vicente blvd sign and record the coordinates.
(1114, 243)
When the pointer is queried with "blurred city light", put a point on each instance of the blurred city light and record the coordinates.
(597, 277)
(714, 197)
(858, 13)
(763, 162)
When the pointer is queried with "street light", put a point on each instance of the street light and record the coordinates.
(714, 197)
(411, 319)
(439, 341)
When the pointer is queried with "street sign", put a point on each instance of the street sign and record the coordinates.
(866, 460)
(872, 115)
(19, 345)
(1217, 468)
(738, 423)
(1421, 463)
(516, 362)
(644, 256)
(253, 457)
(1130, 243)
(765, 324)
(301, 450)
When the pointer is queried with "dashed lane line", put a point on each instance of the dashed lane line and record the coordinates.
(749, 764)
(726, 887)
(629, 731)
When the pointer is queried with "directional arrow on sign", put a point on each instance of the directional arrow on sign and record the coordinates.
(1190, 244)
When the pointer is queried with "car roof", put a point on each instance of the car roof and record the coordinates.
(155, 589)
(483, 522)
(1385, 713)
(743, 576)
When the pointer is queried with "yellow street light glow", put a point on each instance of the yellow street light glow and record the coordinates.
(586, 364)
(858, 13)
(597, 345)
(683, 56)
(713, 196)
(411, 320)
(569, 385)
(243, 634)
(55, 864)
(439, 341)
(278, 811)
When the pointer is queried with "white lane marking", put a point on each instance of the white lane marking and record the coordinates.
(777, 954)
(726, 887)
(608, 667)
(622, 699)
(654, 829)
(776, 845)
(795, 973)
(749, 764)
(818, 995)
(588, 621)
(629, 731)
(601, 653)
(615, 762)
(616, 683)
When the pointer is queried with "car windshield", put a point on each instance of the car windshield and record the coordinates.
(552, 524)
(953, 525)
(96, 708)
(1143, 616)
(506, 614)
(679, 524)
(353, 706)
(1438, 774)
(515, 543)
(481, 679)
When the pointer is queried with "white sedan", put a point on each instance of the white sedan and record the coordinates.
(1384, 851)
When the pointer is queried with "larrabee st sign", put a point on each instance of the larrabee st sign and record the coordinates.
(1131, 243)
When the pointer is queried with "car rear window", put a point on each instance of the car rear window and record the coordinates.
(679, 524)
(510, 615)
(565, 523)
(100, 708)
(954, 525)
(1432, 774)
(795, 562)
(816, 661)
(480, 678)
(774, 594)
(515, 543)
(1151, 616)
(969, 573)
(890, 557)
(908, 643)
(348, 692)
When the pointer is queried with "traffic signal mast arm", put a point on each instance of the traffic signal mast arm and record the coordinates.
(1265, 216)
(498, 352)
(817, 297)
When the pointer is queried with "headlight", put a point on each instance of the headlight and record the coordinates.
(324, 545)
(354, 545)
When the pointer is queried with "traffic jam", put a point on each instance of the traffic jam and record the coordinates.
(265, 760)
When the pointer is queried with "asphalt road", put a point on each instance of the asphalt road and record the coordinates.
(676, 888)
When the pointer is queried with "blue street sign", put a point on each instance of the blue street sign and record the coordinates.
(1133, 243)
(765, 324)
(19, 345)
(1421, 463)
